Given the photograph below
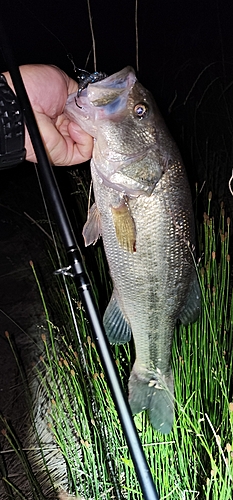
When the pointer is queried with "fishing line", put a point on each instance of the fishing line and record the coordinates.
(136, 35)
(44, 26)
(69, 55)
(92, 33)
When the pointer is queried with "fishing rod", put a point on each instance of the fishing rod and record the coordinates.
(76, 270)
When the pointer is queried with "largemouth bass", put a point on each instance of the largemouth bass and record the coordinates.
(143, 211)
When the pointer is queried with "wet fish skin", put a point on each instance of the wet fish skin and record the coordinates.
(140, 183)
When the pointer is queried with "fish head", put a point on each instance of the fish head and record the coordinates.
(132, 144)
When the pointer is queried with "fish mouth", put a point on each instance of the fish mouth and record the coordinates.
(105, 99)
(109, 89)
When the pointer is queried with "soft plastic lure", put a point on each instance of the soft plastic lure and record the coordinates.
(84, 78)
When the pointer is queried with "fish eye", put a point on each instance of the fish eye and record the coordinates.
(141, 110)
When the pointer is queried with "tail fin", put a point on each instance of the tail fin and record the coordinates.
(154, 394)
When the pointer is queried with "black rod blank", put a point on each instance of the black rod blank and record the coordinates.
(82, 284)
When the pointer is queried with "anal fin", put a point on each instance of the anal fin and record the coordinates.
(116, 326)
(192, 307)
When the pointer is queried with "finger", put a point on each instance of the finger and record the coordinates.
(83, 140)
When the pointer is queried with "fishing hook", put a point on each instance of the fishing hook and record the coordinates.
(84, 78)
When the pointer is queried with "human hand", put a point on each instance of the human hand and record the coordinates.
(48, 88)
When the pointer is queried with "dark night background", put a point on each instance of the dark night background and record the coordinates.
(185, 60)
(185, 54)
(177, 39)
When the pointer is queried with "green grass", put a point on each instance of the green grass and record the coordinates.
(196, 459)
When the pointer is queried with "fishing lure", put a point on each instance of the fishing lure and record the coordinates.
(84, 78)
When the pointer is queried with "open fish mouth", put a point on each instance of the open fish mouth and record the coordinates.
(84, 78)
(109, 89)
(104, 99)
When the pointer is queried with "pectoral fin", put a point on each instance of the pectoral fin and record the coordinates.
(124, 226)
(116, 326)
(192, 307)
(92, 228)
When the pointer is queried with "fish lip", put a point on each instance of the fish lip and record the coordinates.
(95, 101)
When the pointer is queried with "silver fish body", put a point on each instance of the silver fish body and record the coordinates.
(144, 214)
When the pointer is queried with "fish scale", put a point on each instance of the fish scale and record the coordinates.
(149, 270)
(143, 211)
